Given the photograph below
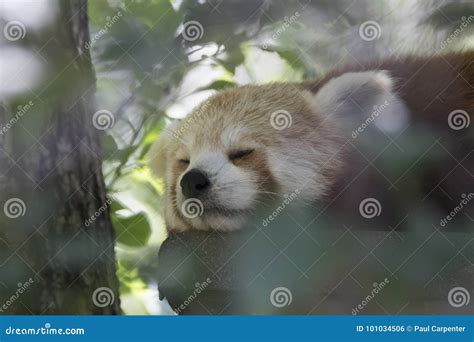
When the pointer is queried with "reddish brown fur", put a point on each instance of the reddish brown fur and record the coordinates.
(432, 87)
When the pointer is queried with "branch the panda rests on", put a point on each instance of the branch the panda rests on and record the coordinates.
(223, 273)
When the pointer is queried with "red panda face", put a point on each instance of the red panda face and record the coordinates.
(216, 181)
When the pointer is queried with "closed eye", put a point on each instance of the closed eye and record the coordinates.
(239, 154)
(184, 161)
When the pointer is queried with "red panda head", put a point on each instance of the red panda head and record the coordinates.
(249, 143)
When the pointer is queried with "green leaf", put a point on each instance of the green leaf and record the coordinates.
(234, 58)
(292, 57)
(217, 85)
(133, 231)
(296, 59)
(116, 206)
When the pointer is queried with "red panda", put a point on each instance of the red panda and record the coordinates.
(372, 130)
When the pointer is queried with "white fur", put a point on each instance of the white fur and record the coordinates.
(350, 99)
(352, 91)
(231, 135)
(232, 188)
(295, 170)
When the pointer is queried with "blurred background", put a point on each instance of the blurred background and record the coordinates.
(156, 60)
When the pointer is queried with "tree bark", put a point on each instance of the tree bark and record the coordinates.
(51, 182)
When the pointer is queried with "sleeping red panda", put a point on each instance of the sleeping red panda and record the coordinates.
(332, 140)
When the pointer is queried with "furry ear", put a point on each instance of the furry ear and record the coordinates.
(157, 155)
(354, 93)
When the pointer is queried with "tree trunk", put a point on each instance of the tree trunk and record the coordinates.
(51, 182)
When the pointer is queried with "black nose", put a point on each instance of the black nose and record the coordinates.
(194, 183)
